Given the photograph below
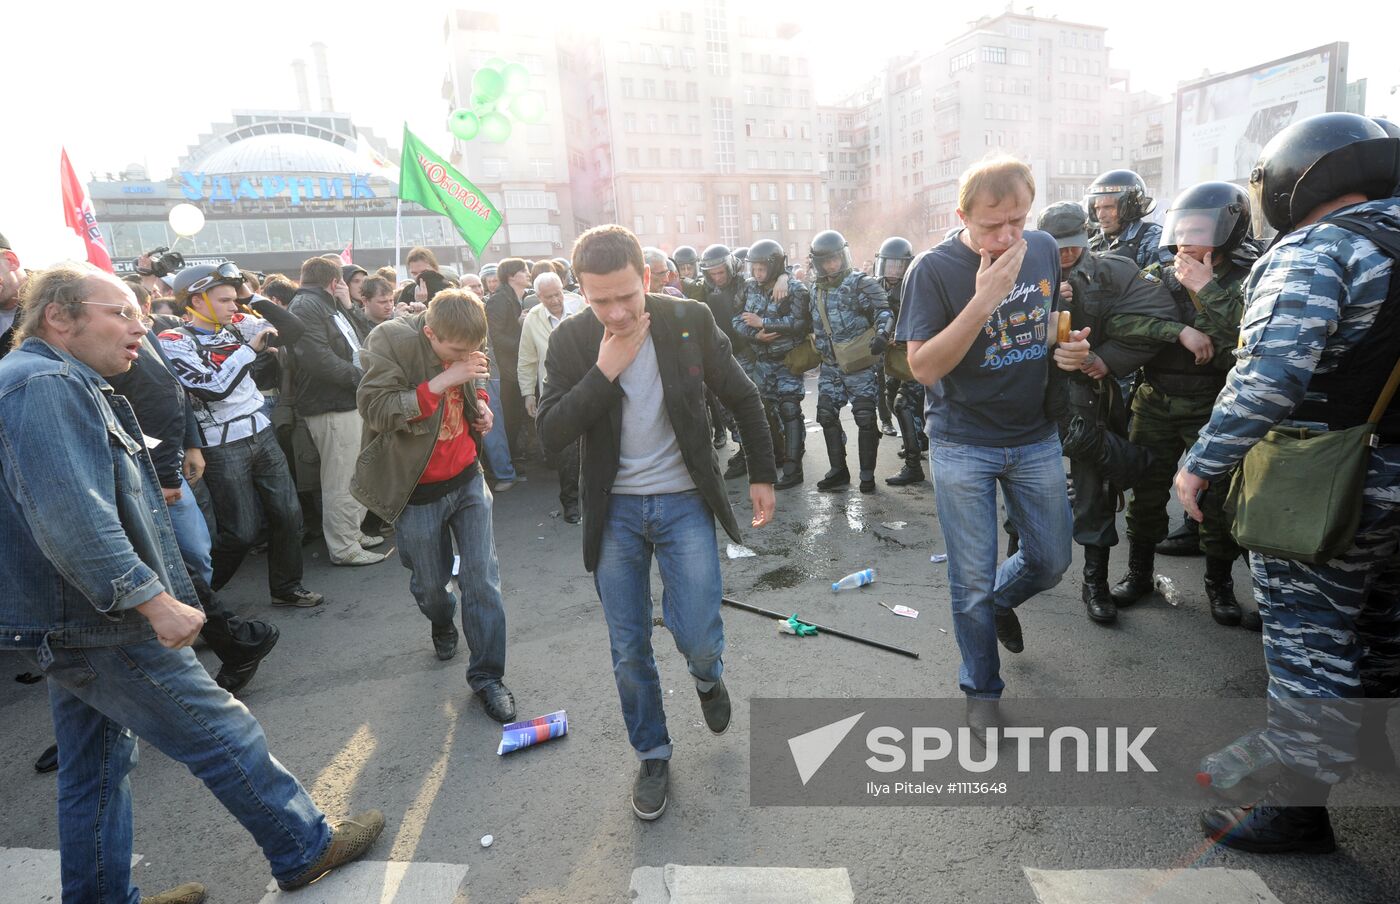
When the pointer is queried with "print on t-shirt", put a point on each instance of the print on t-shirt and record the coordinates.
(1017, 326)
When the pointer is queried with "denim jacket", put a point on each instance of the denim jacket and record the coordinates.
(85, 536)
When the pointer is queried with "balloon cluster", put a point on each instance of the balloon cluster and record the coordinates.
(498, 88)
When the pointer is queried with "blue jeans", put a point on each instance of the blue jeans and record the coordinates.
(247, 479)
(680, 529)
(965, 479)
(495, 448)
(192, 533)
(102, 699)
(425, 533)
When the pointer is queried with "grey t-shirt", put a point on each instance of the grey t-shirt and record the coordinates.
(650, 462)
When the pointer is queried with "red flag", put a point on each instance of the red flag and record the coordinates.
(345, 257)
(77, 213)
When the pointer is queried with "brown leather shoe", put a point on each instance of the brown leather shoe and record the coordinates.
(349, 840)
(189, 893)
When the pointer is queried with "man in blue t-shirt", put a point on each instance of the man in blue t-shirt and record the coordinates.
(978, 316)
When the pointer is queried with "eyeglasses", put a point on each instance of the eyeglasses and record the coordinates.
(224, 273)
(125, 311)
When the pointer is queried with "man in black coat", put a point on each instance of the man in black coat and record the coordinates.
(627, 378)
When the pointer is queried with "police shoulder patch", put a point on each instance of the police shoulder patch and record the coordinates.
(1148, 277)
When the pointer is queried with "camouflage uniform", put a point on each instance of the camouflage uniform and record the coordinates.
(853, 304)
(791, 320)
(1140, 241)
(1176, 398)
(1331, 630)
(907, 398)
(724, 303)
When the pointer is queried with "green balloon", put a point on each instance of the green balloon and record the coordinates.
(528, 107)
(481, 106)
(495, 127)
(464, 124)
(488, 84)
(517, 79)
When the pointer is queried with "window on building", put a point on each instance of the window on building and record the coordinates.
(700, 223)
(772, 191)
(722, 125)
(692, 92)
(687, 57)
(807, 191)
(628, 88)
(717, 40)
(697, 159)
(629, 122)
(649, 87)
(670, 91)
(755, 222)
(680, 224)
(962, 61)
(993, 54)
(753, 191)
(792, 220)
(772, 160)
(773, 221)
(653, 124)
(751, 160)
(792, 191)
(634, 158)
(729, 220)
(675, 158)
(639, 224)
(1019, 58)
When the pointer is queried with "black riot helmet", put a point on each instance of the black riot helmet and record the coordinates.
(1387, 126)
(715, 257)
(829, 246)
(771, 255)
(1211, 214)
(1127, 188)
(741, 255)
(893, 259)
(685, 258)
(1320, 158)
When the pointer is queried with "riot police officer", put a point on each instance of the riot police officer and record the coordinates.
(1321, 325)
(1207, 229)
(1116, 202)
(1120, 304)
(723, 293)
(775, 328)
(852, 325)
(687, 262)
(906, 396)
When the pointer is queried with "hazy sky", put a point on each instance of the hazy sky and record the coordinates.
(130, 82)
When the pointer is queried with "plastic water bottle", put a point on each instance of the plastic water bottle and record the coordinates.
(859, 579)
(1236, 760)
(1167, 587)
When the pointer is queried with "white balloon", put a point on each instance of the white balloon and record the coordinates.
(186, 219)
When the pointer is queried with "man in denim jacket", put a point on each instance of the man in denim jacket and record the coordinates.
(95, 591)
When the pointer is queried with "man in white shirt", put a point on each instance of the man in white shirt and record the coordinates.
(540, 322)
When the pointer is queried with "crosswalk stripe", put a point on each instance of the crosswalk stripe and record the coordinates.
(31, 874)
(378, 882)
(1149, 886)
(676, 884)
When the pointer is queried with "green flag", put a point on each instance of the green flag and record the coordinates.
(427, 179)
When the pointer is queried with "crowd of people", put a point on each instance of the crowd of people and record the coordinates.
(156, 430)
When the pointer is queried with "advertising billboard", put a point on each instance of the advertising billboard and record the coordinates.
(1222, 123)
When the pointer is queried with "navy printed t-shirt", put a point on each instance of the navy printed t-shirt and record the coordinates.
(995, 396)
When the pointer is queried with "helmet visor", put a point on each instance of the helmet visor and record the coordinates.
(890, 267)
(1104, 194)
(829, 263)
(1199, 227)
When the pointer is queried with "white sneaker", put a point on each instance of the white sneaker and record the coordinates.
(369, 542)
(360, 557)
(503, 486)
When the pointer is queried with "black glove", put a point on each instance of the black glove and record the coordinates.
(878, 344)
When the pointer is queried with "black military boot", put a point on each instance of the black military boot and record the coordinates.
(1137, 583)
(795, 446)
(839, 476)
(868, 441)
(913, 470)
(1184, 541)
(1096, 596)
(1220, 590)
(1275, 824)
(737, 466)
(775, 432)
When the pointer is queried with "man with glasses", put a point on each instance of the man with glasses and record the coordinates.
(213, 357)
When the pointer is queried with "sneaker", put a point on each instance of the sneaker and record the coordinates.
(350, 838)
(445, 641)
(503, 486)
(649, 790)
(714, 703)
(300, 597)
(189, 893)
(233, 677)
(360, 557)
(368, 542)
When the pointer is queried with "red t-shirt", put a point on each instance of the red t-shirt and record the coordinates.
(455, 450)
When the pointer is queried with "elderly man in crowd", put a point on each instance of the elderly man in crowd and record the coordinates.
(540, 322)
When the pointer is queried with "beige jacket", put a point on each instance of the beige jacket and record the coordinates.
(534, 344)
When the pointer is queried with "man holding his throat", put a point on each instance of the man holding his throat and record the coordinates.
(628, 377)
(978, 317)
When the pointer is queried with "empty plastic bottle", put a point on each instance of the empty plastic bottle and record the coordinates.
(1167, 587)
(1228, 766)
(859, 579)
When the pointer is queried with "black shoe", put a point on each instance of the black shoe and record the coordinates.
(888, 428)
(1271, 827)
(737, 466)
(1220, 590)
(714, 703)
(911, 473)
(868, 442)
(300, 598)
(571, 514)
(720, 440)
(499, 703)
(445, 641)
(794, 449)
(839, 475)
(867, 484)
(1251, 620)
(983, 715)
(649, 790)
(791, 477)
(835, 479)
(1184, 541)
(1097, 600)
(1008, 629)
(1137, 583)
(234, 676)
(48, 760)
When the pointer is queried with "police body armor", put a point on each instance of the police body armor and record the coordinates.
(724, 302)
(1174, 370)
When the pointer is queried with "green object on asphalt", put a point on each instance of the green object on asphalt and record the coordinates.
(794, 626)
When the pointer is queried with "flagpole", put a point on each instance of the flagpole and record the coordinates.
(398, 231)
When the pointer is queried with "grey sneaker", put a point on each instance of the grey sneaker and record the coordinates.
(649, 790)
(714, 703)
(300, 597)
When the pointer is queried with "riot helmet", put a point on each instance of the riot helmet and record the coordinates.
(741, 255)
(892, 261)
(1127, 188)
(1389, 127)
(771, 256)
(1211, 215)
(686, 259)
(717, 257)
(827, 247)
(1321, 158)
